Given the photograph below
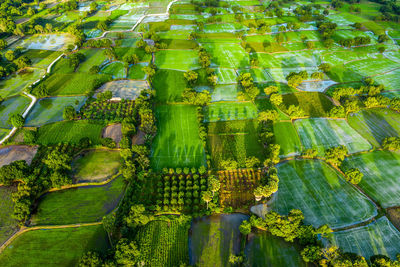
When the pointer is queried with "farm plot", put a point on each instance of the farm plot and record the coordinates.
(226, 76)
(235, 140)
(12, 105)
(314, 104)
(225, 27)
(259, 75)
(127, 21)
(177, 143)
(265, 250)
(213, 239)
(371, 66)
(16, 83)
(41, 58)
(51, 109)
(225, 111)
(293, 60)
(93, 57)
(8, 225)
(124, 89)
(164, 243)
(169, 85)
(136, 72)
(227, 55)
(69, 131)
(375, 124)
(321, 134)
(115, 69)
(79, 205)
(227, 92)
(390, 80)
(381, 179)
(315, 86)
(177, 59)
(86, 166)
(287, 137)
(56, 42)
(379, 237)
(9, 154)
(58, 247)
(321, 194)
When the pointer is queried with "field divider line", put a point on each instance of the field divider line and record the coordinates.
(27, 229)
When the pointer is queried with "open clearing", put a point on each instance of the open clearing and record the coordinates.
(375, 124)
(124, 89)
(225, 111)
(381, 179)
(8, 225)
(214, 238)
(263, 249)
(58, 247)
(177, 143)
(50, 109)
(321, 194)
(78, 205)
(321, 134)
(12, 153)
(379, 237)
(86, 166)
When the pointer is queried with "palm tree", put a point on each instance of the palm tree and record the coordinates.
(207, 197)
(259, 193)
(214, 184)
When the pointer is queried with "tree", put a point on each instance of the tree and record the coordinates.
(207, 196)
(90, 259)
(29, 136)
(9, 55)
(69, 113)
(258, 193)
(137, 216)
(191, 77)
(276, 99)
(271, 89)
(317, 76)
(311, 254)
(110, 54)
(126, 253)
(214, 184)
(245, 227)
(336, 155)
(102, 25)
(3, 44)
(16, 120)
(325, 67)
(16, 170)
(94, 69)
(381, 49)
(57, 160)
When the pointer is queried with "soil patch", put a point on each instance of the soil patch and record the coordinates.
(12, 153)
(138, 139)
(114, 132)
(394, 216)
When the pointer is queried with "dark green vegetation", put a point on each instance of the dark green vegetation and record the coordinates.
(8, 225)
(312, 103)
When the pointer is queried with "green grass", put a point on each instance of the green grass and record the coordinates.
(15, 104)
(169, 85)
(16, 83)
(136, 72)
(371, 66)
(94, 57)
(3, 133)
(86, 167)
(54, 247)
(236, 140)
(226, 76)
(321, 134)
(79, 205)
(225, 111)
(314, 104)
(177, 143)
(381, 180)
(69, 131)
(115, 69)
(8, 225)
(375, 124)
(225, 55)
(379, 237)
(287, 137)
(177, 59)
(213, 239)
(51, 109)
(263, 249)
(390, 80)
(321, 193)
(164, 243)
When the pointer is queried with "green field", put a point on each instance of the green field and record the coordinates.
(41, 58)
(235, 140)
(225, 111)
(321, 134)
(17, 83)
(54, 247)
(226, 76)
(212, 239)
(115, 69)
(164, 243)
(314, 104)
(287, 137)
(15, 104)
(94, 57)
(379, 237)
(265, 250)
(177, 142)
(136, 72)
(86, 166)
(226, 55)
(321, 193)
(79, 205)
(169, 85)
(48, 110)
(69, 131)
(8, 225)
(375, 124)
(177, 59)
(390, 80)
(226, 92)
(381, 179)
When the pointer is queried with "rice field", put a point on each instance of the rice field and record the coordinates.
(375, 124)
(48, 110)
(115, 69)
(227, 55)
(177, 59)
(372, 66)
(390, 80)
(55, 42)
(8, 225)
(225, 111)
(124, 89)
(12, 105)
(321, 134)
(378, 237)
(177, 143)
(79, 205)
(226, 76)
(287, 137)
(226, 92)
(381, 180)
(321, 193)
(16, 83)
(57, 247)
(169, 85)
(93, 57)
